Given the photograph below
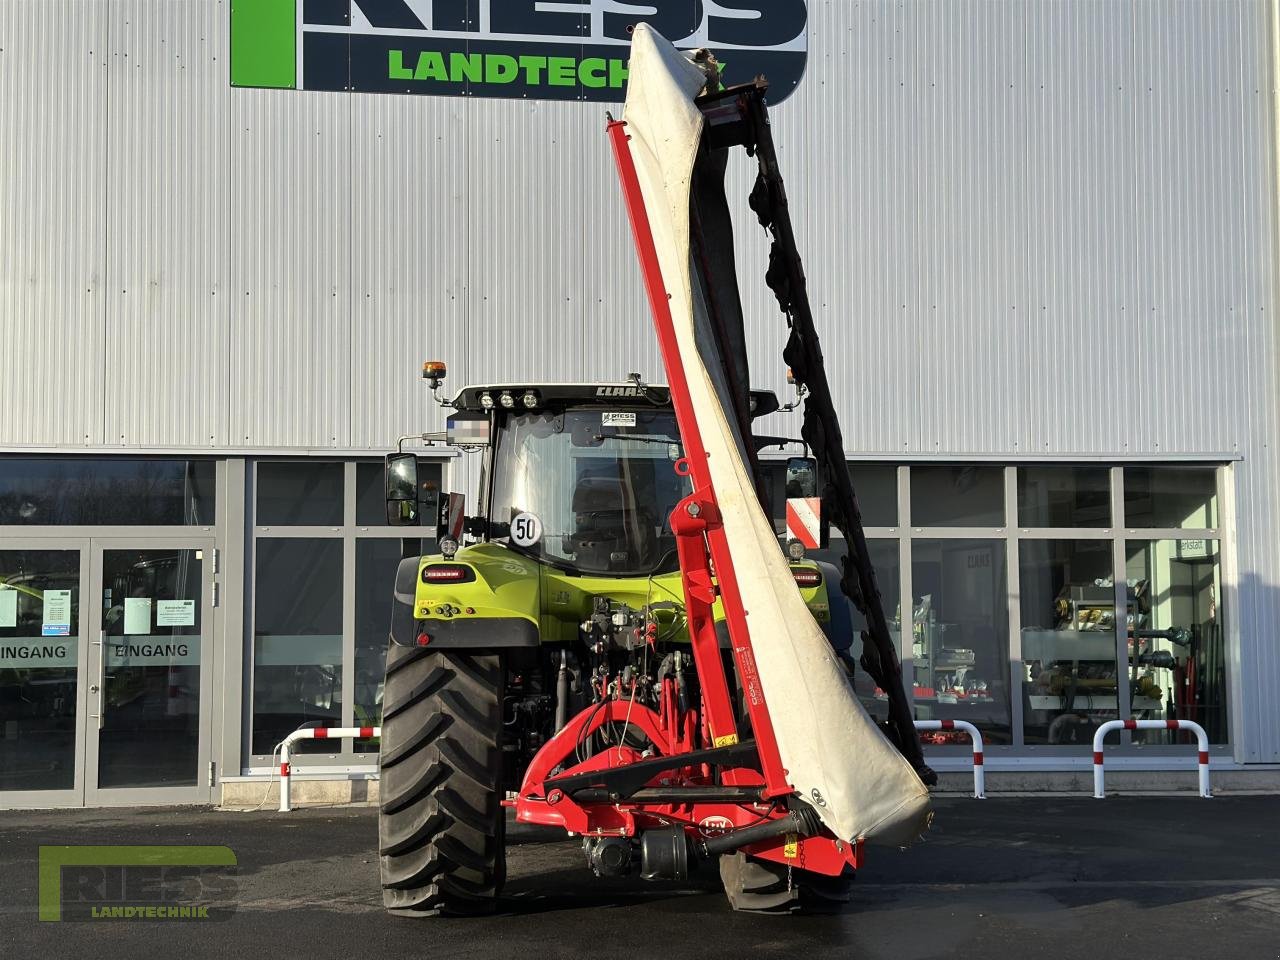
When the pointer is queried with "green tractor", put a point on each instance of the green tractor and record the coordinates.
(562, 590)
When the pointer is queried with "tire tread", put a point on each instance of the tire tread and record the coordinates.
(440, 823)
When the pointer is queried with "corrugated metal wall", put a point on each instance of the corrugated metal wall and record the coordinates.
(1030, 229)
(53, 221)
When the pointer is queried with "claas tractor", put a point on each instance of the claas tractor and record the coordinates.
(616, 642)
(569, 598)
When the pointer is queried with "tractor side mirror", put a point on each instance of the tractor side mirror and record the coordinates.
(802, 477)
(401, 481)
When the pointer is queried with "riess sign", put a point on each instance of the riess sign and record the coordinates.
(536, 49)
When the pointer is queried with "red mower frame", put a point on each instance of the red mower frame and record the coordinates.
(702, 778)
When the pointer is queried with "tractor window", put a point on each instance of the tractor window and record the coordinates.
(602, 484)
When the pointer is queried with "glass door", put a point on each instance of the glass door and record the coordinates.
(43, 626)
(149, 679)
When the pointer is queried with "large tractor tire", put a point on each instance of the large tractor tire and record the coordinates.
(763, 886)
(440, 824)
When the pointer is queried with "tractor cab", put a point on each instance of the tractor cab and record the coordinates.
(580, 477)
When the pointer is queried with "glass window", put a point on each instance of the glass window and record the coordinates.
(1064, 496)
(371, 503)
(151, 611)
(960, 633)
(300, 494)
(876, 486)
(106, 490)
(39, 646)
(1177, 641)
(297, 633)
(1171, 497)
(884, 557)
(773, 477)
(1067, 600)
(376, 562)
(604, 494)
(957, 495)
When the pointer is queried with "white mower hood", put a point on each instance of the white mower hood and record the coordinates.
(834, 754)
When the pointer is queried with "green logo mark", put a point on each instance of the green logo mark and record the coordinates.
(137, 883)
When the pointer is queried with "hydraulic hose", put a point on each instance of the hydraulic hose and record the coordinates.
(803, 820)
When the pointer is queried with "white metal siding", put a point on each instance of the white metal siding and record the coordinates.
(53, 136)
(291, 188)
(1247, 398)
(168, 229)
(409, 254)
(1030, 229)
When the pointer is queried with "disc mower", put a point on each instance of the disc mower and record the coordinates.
(615, 643)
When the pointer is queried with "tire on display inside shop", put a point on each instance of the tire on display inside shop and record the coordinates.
(440, 822)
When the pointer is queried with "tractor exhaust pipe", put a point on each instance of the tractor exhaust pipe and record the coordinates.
(802, 820)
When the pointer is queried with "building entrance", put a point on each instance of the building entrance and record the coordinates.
(106, 671)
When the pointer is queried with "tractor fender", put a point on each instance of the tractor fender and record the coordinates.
(839, 625)
(403, 629)
(486, 632)
(483, 633)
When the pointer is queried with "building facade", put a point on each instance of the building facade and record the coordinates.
(1041, 243)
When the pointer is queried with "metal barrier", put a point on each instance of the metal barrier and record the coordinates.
(315, 733)
(1202, 739)
(979, 778)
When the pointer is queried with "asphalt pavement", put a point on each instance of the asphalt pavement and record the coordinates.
(1015, 877)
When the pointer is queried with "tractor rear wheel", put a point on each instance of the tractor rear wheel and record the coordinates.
(763, 886)
(440, 822)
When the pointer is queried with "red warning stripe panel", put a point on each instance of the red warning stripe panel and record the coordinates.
(948, 724)
(366, 732)
(1204, 756)
(1097, 756)
(1131, 724)
(454, 516)
(802, 520)
(977, 758)
(1171, 724)
(284, 769)
(321, 733)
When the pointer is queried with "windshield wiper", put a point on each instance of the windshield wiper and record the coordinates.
(666, 442)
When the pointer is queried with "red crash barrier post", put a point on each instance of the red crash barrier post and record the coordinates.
(1202, 740)
(315, 733)
(964, 726)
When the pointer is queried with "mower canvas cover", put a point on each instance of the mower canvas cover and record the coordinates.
(834, 754)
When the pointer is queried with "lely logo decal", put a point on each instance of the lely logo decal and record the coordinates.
(518, 49)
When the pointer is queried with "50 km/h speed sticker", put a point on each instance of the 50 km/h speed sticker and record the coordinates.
(526, 529)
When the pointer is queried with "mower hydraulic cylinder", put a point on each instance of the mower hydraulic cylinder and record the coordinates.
(562, 692)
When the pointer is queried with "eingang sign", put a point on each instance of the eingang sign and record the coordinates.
(535, 49)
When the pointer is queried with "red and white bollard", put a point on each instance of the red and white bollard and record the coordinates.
(1202, 740)
(315, 733)
(979, 777)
